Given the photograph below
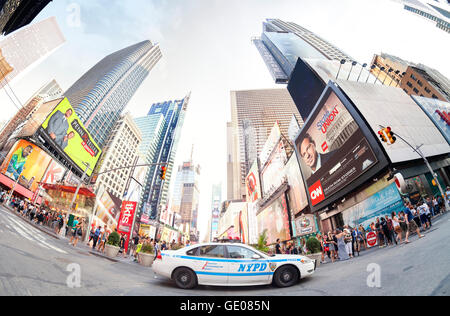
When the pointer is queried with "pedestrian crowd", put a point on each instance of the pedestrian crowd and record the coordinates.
(158, 245)
(347, 242)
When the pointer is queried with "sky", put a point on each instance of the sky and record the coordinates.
(207, 50)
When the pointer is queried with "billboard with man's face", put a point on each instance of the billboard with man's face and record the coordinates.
(64, 130)
(26, 163)
(333, 149)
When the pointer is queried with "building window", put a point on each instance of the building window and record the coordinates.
(434, 96)
(409, 84)
(427, 90)
(416, 90)
(420, 83)
(413, 77)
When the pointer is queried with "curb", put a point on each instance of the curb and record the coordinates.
(32, 224)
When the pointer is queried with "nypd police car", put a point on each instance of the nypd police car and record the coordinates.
(230, 264)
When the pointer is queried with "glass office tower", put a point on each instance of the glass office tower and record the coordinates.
(282, 43)
(156, 191)
(101, 94)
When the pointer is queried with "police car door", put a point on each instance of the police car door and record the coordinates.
(211, 265)
(245, 268)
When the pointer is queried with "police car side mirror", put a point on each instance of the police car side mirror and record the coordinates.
(256, 257)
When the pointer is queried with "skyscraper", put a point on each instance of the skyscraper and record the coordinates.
(47, 93)
(282, 43)
(29, 46)
(121, 150)
(253, 114)
(15, 14)
(101, 94)
(156, 191)
(436, 11)
(186, 196)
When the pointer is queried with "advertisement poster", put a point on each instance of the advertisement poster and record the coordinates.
(54, 174)
(107, 212)
(124, 226)
(64, 130)
(305, 225)
(298, 199)
(272, 175)
(275, 220)
(26, 163)
(333, 150)
(380, 204)
(253, 184)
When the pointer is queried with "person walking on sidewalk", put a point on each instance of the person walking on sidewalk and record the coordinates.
(103, 238)
(96, 236)
(397, 228)
(77, 232)
(412, 226)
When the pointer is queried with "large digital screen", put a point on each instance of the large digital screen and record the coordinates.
(26, 163)
(64, 131)
(272, 173)
(333, 150)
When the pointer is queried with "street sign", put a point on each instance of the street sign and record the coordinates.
(371, 238)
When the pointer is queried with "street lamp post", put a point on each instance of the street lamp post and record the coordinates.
(354, 63)
(433, 174)
(363, 66)
(342, 62)
(369, 72)
(14, 186)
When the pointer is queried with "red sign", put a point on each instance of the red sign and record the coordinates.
(125, 223)
(371, 239)
(316, 193)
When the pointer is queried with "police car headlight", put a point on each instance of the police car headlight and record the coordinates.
(306, 260)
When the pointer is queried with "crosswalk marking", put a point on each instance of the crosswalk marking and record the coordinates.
(30, 233)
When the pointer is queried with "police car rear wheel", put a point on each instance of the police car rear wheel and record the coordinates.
(185, 278)
(286, 276)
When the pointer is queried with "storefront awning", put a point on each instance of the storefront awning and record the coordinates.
(63, 188)
(18, 188)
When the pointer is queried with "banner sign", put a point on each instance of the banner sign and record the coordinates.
(126, 220)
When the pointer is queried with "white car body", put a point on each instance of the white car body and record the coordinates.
(229, 270)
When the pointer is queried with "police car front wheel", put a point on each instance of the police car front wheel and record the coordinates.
(286, 276)
(185, 278)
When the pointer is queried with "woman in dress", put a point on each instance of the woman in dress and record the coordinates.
(340, 235)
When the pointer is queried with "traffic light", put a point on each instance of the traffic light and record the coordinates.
(162, 174)
(390, 135)
(387, 136)
(383, 135)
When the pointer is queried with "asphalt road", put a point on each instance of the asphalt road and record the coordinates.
(35, 263)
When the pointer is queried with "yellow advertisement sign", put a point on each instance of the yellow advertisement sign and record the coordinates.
(64, 130)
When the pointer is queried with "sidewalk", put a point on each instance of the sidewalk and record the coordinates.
(435, 220)
(80, 246)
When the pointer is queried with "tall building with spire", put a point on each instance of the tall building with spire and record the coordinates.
(156, 191)
(102, 93)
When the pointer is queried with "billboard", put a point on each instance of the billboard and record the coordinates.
(253, 184)
(64, 131)
(275, 220)
(26, 163)
(333, 149)
(380, 204)
(298, 199)
(272, 173)
(54, 173)
(125, 223)
(106, 210)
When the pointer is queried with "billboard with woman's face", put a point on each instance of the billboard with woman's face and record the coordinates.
(26, 163)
